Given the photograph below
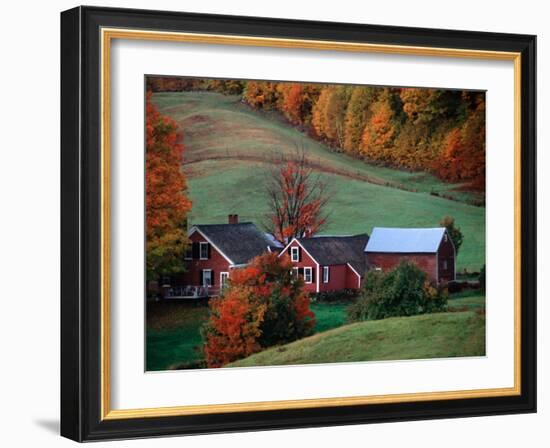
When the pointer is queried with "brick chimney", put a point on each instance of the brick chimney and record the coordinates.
(233, 219)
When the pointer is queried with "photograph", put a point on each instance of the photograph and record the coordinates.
(295, 223)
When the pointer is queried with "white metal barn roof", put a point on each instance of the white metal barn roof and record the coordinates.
(398, 240)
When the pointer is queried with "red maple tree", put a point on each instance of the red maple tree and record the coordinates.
(297, 199)
(166, 201)
(263, 305)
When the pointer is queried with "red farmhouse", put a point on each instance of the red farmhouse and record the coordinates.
(329, 263)
(215, 250)
(430, 249)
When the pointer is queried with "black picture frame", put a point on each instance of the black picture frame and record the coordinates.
(81, 226)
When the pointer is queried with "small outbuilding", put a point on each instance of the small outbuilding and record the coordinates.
(431, 249)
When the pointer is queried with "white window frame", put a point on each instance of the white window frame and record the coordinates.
(223, 283)
(310, 270)
(204, 271)
(295, 271)
(295, 250)
(201, 245)
(445, 265)
(326, 274)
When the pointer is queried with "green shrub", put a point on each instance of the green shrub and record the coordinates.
(403, 291)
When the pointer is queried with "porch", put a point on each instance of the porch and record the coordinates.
(190, 292)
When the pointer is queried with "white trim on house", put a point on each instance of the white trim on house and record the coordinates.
(326, 274)
(222, 275)
(203, 277)
(201, 245)
(295, 250)
(303, 248)
(310, 270)
(310, 256)
(358, 276)
(196, 229)
(317, 289)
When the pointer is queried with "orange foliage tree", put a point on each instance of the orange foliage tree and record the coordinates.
(296, 199)
(261, 94)
(167, 204)
(379, 133)
(412, 128)
(357, 114)
(263, 305)
(462, 158)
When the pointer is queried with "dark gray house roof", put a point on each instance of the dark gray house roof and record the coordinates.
(331, 250)
(398, 240)
(239, 242)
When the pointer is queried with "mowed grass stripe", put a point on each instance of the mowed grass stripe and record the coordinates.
(215, 123)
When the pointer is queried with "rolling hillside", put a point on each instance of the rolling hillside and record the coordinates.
(419, 337)
(229, 148)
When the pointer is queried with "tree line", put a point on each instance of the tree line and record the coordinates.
(419, 129)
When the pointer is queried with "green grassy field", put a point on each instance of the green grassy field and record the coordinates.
(173, 331)
(228, 151)
(441, 335)
(467, 300)
(173, 334)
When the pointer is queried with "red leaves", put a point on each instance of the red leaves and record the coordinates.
(296, 199)
(463, 155)
(166, 201)
(241, 321)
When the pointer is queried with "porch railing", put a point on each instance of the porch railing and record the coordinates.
(191, 292)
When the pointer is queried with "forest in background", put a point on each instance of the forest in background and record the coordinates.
(418, 129)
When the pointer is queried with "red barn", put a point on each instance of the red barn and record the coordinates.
(431, 249)
(215, 250)
(329, 263)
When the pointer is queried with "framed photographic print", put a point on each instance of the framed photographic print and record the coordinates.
(276, 224)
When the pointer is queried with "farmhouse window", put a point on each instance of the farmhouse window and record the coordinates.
(207, 277)
(224, 276)
(445, 265)
(326, 273)
(308, 275)
(204, 249)
(445, 238)
(189, 253)
(295, 253)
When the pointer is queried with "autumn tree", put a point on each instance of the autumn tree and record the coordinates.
(296, 101)
(296, 199)
(226, 86)
(454, 232)
(462, 158)
(357, 114)
(261, 94)
(318, 114)
(167, 204)
(379, 133)
(330, 112)
(263, 305)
